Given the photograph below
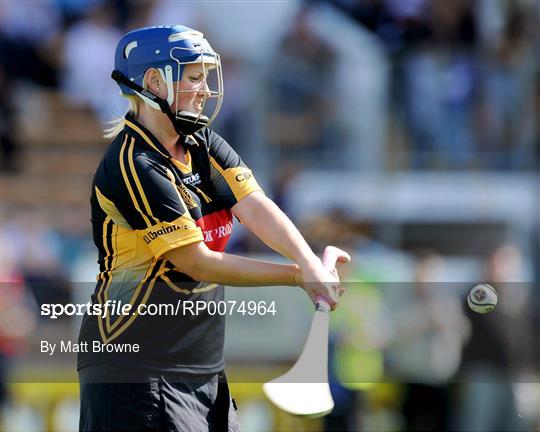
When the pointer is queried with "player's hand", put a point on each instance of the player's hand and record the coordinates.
(318, 281)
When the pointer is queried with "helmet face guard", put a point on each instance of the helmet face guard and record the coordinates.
(169, 50)
(209, 88)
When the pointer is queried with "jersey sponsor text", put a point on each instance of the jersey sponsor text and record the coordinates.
(152, 235)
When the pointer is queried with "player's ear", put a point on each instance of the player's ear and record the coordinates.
(152, 80)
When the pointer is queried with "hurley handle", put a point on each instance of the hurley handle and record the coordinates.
(331, 256)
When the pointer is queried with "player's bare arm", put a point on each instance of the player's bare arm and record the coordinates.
(269, 223)
(204, 264)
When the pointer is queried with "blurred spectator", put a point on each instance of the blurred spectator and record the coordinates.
(439, 79)
(8, 147)
(29, 33)
(301, 100)
(508, 99)
(360, 332)
(163, 12)
(425, 351)
(75, 237)
(236, 106)
(332, 227)
(29, 38)
(32, 22)
(283, 176)
(36, 249)
(89, 61)
(513, 315)
(463, 104)
(356, 362)
(439, 96)
(494, 357)
(17, 309)
(396, 22)
(345, 416)
(73, 11)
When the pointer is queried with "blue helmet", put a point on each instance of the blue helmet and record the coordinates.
(168, 49)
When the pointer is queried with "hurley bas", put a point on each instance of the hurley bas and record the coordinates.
(67, 346)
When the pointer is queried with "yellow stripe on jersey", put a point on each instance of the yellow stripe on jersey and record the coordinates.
(137, 181)
(105, 275)
(206, 198)
(190, 139)
(128, 182)
(216, 166)
(173, 286)
(206, 287)
(132, 301)
(240, 179)
(110, 209)
(203, 286)
(136, 310)
(107, 257)
(145, 137)
(114, 252)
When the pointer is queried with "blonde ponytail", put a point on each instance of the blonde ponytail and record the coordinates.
(117, 125)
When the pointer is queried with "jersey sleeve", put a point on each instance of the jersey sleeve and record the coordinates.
(151, 203)
(231, 178)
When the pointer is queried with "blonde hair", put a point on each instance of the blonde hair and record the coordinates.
(117, 125)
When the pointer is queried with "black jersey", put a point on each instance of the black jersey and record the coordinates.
(145, 203)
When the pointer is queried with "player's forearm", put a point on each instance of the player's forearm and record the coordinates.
(266, 220)
(202, 264)
(235, 270)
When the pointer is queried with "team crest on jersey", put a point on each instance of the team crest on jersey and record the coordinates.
(186, 196)
(184, 192)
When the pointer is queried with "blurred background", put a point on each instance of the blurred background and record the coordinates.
(405, 131)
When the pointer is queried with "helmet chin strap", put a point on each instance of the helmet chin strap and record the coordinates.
(184, 122)
(189, 122)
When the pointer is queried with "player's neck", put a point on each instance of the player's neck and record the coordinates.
(160, 126)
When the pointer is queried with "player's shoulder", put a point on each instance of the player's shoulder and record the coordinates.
(129, 149)
(211, 140)
(126, 157)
